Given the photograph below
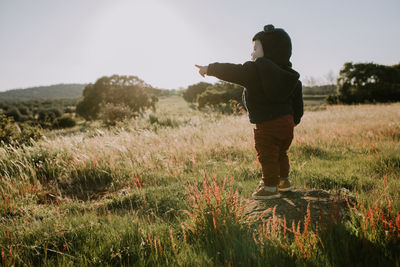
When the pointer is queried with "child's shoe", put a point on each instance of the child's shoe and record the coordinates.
(284, 185)
(265, 192)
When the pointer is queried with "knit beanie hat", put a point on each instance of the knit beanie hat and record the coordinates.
(276, 44)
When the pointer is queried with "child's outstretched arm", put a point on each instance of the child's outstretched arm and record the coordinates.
(235, 73)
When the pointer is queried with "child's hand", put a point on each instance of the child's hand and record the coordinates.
(202, 69)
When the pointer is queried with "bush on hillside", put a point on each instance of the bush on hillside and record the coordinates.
(36, 112)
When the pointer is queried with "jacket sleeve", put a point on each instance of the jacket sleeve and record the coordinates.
(298, 105)
(235, 73)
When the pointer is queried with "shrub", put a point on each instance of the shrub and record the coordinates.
(332, 99)
(14, 112)
(12, 133)
(64, 122)
(57, 112)
(24, 110)
(110, 114)
(191, 93)
(9, 130)
(24, 118)
(69, 109)
(231, 108)
(48, 115)
(220, 93)
(168, 122)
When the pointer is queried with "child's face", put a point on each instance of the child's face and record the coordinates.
(257, 50)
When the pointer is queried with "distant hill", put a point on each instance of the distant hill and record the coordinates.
(56, 91)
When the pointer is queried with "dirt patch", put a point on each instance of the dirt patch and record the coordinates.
(293, 205)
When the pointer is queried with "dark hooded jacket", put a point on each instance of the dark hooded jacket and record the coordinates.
(270, 91)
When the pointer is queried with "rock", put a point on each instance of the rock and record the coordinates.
(293, 205)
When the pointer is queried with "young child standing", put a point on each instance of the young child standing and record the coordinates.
(273, 98)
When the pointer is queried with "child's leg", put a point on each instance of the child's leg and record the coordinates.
(287, 137)
(272, 140)
(284, 159)
(268, 156)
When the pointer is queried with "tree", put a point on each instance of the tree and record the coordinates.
(126, 90)
(191, 93)
(367, 82)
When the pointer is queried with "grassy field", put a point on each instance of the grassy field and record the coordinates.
(169, 189)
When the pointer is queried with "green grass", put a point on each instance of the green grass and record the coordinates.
(127, 195)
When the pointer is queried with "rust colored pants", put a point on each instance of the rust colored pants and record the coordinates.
(272, 140)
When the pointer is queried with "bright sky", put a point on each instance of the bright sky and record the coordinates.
(44, 42)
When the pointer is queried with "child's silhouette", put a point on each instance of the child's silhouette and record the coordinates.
(273, 98)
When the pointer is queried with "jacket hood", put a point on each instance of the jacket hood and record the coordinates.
(278, 83)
